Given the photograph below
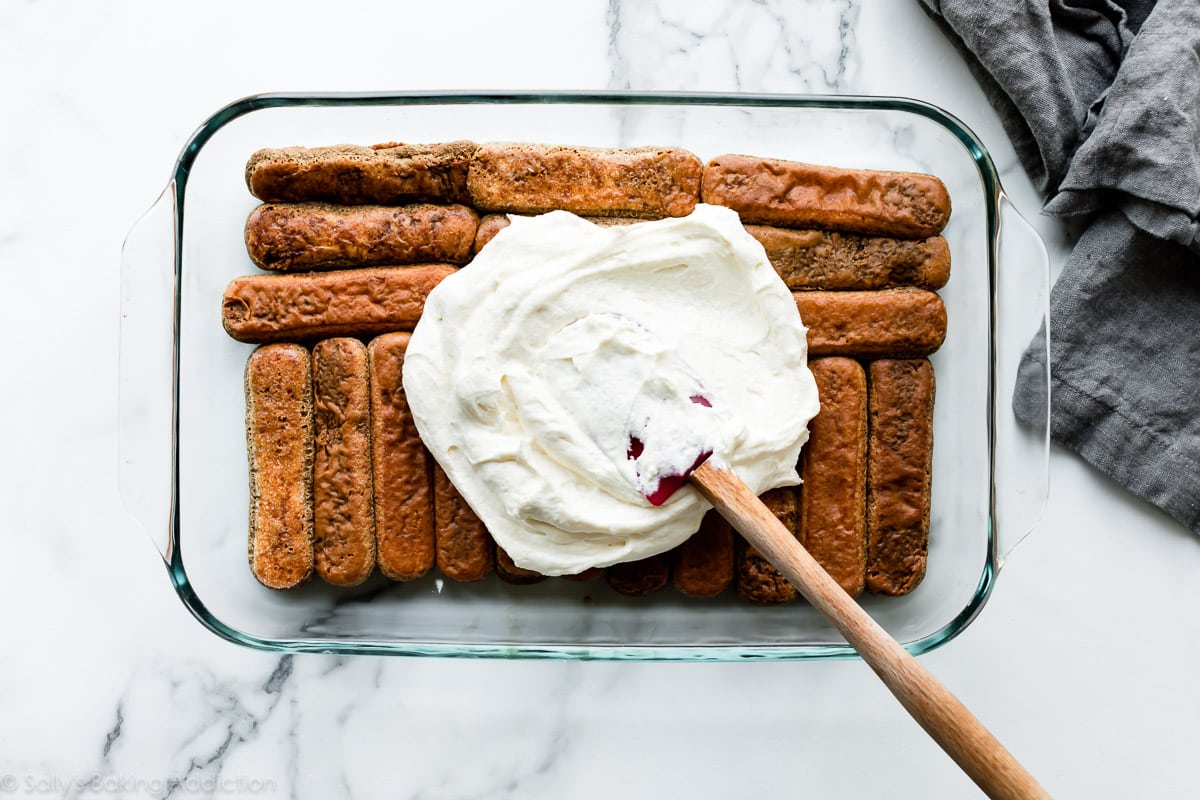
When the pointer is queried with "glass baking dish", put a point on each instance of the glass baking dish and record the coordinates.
(183, 454)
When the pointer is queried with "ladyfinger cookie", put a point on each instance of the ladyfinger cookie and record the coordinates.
(900, 464)
(758, 582)
(464, 547)
(353, 175)
(402, 467)
(703, 565)
(812, 259)
(641, 577)
(279, 443)
(355, 302)
(767, 191)
(489, 226)
(833, 467)
(343, 494)
(509, 572)
(891, 323)
(299, 237)
(605, 182)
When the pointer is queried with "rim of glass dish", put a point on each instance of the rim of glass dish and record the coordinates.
(600, 652)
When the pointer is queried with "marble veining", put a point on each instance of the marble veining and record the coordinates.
(760, 46)
(114, 732)
(230, 724)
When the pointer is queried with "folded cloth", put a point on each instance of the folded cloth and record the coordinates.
(1102, 101)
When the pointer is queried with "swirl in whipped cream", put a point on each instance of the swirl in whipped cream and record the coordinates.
(533, 367)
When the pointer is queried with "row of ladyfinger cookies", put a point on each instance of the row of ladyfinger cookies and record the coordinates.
(340, 483)
(302, 237)
(646, 182)
(822, 227)
(339, 479)
(899, 323)
(433, 239)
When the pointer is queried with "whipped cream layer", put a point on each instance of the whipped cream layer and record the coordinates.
(533, 367)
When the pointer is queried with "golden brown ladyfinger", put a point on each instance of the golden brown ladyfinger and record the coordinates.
(833, 466)
(812, 259)
(641, 577)
(757, 581)
(464, 546)
(299, 237)
(353, 175)
(355, 302)
(279, 442)
(898, 323)
(509, 572)
(343, 493)
(899, 467)
(403, 468)
(767, 191)
(489, 226)
(603, 182)
(703, 565)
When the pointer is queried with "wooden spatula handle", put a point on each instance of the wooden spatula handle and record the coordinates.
(931, 704)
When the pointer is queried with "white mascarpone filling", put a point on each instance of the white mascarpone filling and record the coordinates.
(532, 366)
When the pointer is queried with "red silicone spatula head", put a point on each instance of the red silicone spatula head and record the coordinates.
(668, 484)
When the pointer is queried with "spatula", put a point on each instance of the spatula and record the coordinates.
(667, 452)
(932, 705)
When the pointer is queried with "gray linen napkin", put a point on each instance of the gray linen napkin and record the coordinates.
(1102, 101)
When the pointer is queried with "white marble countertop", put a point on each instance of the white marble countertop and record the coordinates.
(1083, 663)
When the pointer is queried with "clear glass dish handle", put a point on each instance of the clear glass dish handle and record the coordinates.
(1022, 354)
(146, 399)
